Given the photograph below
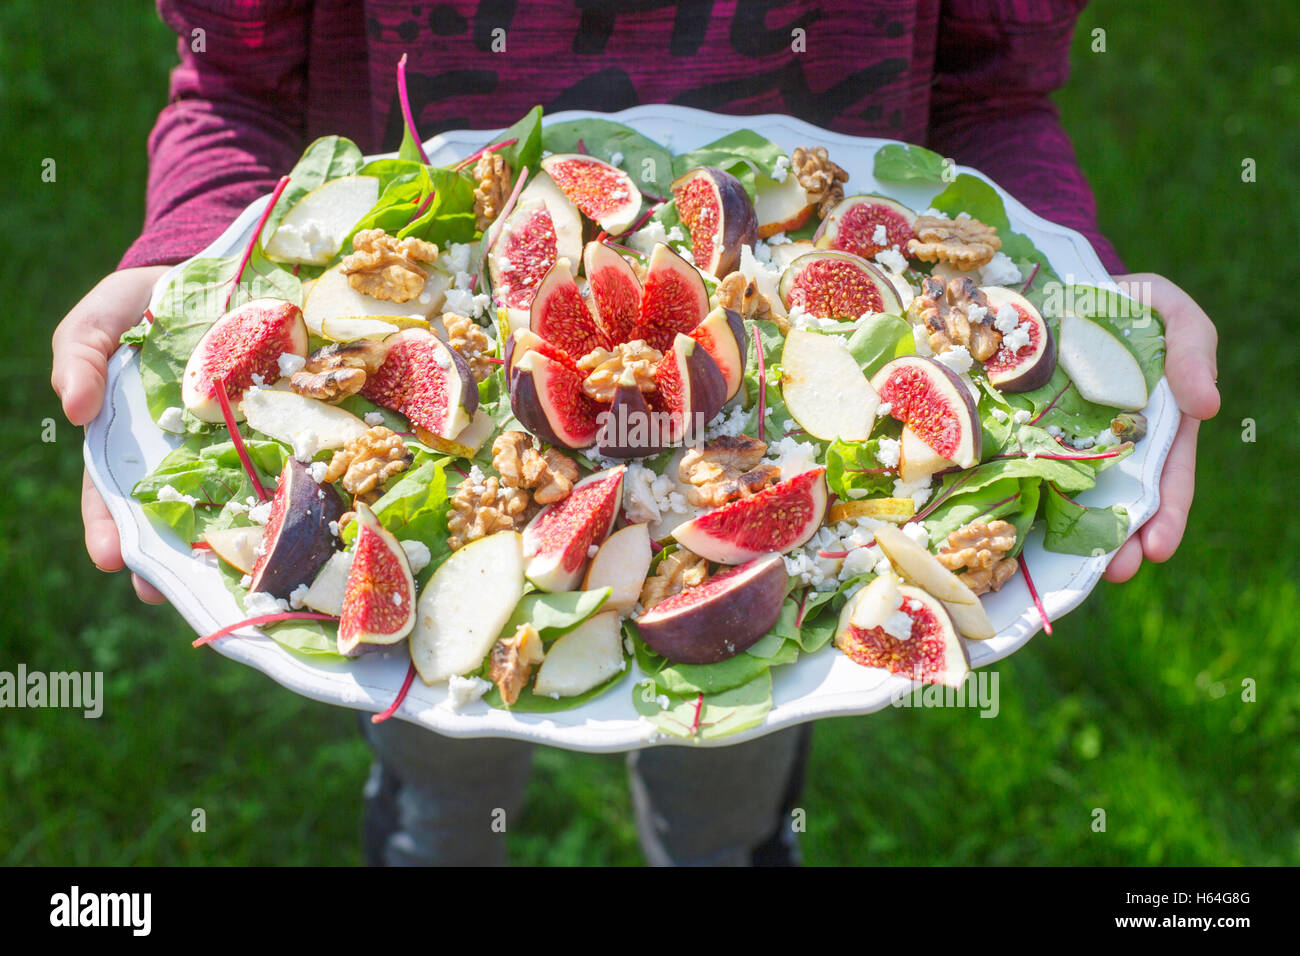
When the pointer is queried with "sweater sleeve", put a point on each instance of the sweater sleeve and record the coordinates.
(234, 123)
(997, 61)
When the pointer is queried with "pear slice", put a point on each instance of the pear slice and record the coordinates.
(878, 600)
(467, 441)
(466, 604)
(326, 591)
(824, 388)
(894, 510)
(1100, 366)
(338, 328)
(584, 658)
(332, 297)
(971, 620)
(287, 416)
(917, 460)
(922, 568)
(621, 564)
(236, 546)
(312, 232)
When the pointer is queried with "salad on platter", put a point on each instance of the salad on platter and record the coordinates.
(575, 401)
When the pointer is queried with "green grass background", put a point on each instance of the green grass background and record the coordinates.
(1134, 705)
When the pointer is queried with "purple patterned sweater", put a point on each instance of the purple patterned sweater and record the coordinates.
(258, 79)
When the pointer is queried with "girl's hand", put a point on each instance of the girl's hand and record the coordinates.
(1192, 371)
(82, 344)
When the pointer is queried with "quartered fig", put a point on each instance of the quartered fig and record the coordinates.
(297, 541)
(717, 211)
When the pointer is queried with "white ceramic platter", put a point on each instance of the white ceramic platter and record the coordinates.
(123, 444)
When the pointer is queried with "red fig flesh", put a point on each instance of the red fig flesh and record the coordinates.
(546, 396)
(935, 404)
(673, 299)
(722, 334)
(932, 654)
(560, 314)
(558, 539)
(720, 216)
(615, 291)
(837, 285)
(603, 192)
(779, 518)
(244, 342)
(379, 598)
(1031, 365)
(854, 226)
(689, 390)
(426, 381)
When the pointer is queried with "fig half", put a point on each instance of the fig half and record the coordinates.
(779, 518)
(557, 541)
(837, 285)
(866, 226)
(297, 541)
(720, 618)
(1027, 366)
(931, 654)
(718, 212)
(379, 597)
(935, 404)
(603, 192)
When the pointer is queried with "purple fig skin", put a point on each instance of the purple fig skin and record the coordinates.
(304, 542)
(971, 423)
(708, 385)
(469, 387)
(528, 407)
(628, 405)
(735, 327)
(739, 222)
(1037, 373)
(723, 623)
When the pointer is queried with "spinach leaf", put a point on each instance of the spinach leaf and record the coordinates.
(875, 341)
(1075, 529)
(901, 163)
(743, 154)
(716, 715)
(555, 614)
(684, 680)
(972, 195)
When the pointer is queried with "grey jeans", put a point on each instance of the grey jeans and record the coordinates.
(437, 801)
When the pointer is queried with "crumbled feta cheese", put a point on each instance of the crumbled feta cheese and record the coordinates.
(935, 214)
(892, 259)
(317, 470)
(1021, 415)
(880, 235)
(1017, 338)
(463, 691)
(172, 420)
(417, 555)
(884, 408)
(781, 168)
(258, 603)
(237, 508)
(592, 549)
(780, 239)
(305, 445)
(374, 418)
(1000, 270)
(729, 423)
(859, 561)
(290, 363)
(616, 159)
(1007, 318)
(998, 413)
(977, 313)
(957, 358)
(1105, 438)
(456, 257)
(168, 493)
(687, 255)
(296, 596)
(675, 234)
(888, 451)
(793, 457)
(916, 531)
(648, 236)
(465, 302)
(258, 380)
(921, 338)
(898, 625)
(260, 513)
(334, 528)
(1054, 431)
(246, 581)
(918, 491)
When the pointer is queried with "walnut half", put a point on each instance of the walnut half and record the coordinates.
(725, 468)
(336, 371)
(513, 660)
(980, 548)
(481, 508)
(821, 179)
(549, 476)
(740, 294)
(675, 573)
(957, 314)
(628, 362)
(369, 460)
(385, 267)
(966, 243)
